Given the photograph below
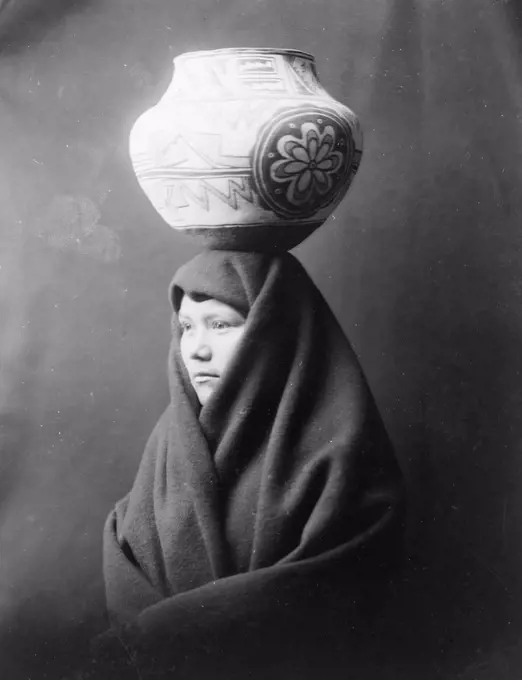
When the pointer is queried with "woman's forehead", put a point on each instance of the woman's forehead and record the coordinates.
(199, 307)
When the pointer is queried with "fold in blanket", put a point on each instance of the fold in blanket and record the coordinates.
(260, 525)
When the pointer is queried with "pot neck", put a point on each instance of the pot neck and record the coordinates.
(243, 73)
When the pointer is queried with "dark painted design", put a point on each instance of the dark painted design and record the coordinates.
(303, 161)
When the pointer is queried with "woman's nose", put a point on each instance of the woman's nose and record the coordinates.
(200, 348)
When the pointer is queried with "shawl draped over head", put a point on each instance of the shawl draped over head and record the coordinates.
(258, 524)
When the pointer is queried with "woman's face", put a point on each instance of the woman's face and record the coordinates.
(210, 333)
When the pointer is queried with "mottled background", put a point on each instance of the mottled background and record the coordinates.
(422, 264)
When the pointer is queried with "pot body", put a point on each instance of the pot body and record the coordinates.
(246, 150)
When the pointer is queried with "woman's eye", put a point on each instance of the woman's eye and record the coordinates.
(185, 326)
(220, 325)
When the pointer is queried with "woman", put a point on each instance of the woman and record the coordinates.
(267, 506)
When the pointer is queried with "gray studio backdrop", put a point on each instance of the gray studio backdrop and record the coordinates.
(422, 264)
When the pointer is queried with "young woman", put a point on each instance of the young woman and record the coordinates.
(267, 507)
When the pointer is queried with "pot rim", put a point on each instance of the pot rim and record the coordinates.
(245, 50)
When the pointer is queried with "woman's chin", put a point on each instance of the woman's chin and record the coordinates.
(204, 393)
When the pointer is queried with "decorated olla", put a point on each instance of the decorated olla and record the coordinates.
(246, 150)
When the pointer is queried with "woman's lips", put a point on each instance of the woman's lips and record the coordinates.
(201, 378)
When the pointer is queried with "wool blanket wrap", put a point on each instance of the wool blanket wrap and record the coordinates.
(260, 524)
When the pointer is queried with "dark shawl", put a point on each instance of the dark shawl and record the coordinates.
(259, 525)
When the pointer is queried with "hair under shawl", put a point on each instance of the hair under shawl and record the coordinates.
(254, 517)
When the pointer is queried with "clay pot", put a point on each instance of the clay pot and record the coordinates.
(246, 150)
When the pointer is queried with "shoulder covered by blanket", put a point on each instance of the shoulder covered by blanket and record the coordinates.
(260, 525)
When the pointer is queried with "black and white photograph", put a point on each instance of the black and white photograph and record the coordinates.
(260, 339)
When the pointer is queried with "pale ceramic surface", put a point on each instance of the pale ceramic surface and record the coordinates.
(246, 150)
